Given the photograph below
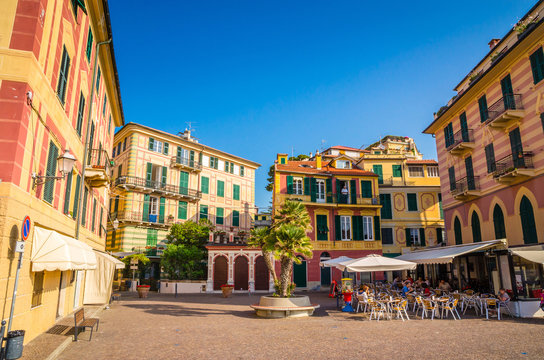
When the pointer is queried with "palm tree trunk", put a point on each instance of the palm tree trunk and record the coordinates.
(270, 265)
(285, 277)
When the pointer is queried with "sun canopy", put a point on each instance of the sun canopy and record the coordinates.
(53, 251)
(446, 254)
(118, 263)
(334, 262)
(536, 256)
(374, 262)
(98, 284)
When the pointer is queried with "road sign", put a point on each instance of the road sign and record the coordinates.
(134, 267)
(20, 246)
(133, 261)
(25, 228)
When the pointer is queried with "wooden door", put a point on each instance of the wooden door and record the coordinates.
(262, 276)
(220, 272)
(299, 274)
(241, 273)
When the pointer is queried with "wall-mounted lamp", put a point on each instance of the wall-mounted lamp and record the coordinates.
(115, 224)
(65, 164)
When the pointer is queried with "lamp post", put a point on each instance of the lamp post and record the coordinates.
(65, 164)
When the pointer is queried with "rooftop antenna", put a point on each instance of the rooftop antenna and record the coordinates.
(323, 142)
(292, 151)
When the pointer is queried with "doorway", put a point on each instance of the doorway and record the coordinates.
(299, 273)
(62, 294)
(262, 276)
(220, 270)
(241, 273)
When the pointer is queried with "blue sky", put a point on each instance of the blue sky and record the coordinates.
(260, 77)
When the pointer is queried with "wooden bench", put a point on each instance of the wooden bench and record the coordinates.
(82, 323)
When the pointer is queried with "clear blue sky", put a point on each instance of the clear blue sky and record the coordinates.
(260, 77)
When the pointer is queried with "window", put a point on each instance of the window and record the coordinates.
(125, 144)
(232, 168)
(386, 211)
(219, 212)
(220, 188)
(76, 196)
(343, 164)
(320, 190)
(457, 231)
(205, 185)
(476, 230)
(297, 186)
(89, 45)
(113, 151)
(537, 65)
(366, 189)
(236, 192)
(113, 238)
(451, 173)
(214, 162)
(63, 75)
(412, 202)
(80, 114)
(51, 170)
(414, 237)
(345, 227)
(322, 229)
(182, 210)
(235, 218)
(490, 158)
(529, 277)
(528, 221)
(448, 135)
(37, 289)
(482, 104)
(387, 236)
(377, 169)
(242, 170)
(118, 148)
(93, 220)
(152, 235)
(226, 166)
(67, 193)
(432, 171)
(153, 206)
(109, 124)
(203, 212)
(367, 228)
(498, 222)
(155, 145)
(104, 106)
(440, 206)
(397, 170)
(415, 171)
(165, 150)
(439, 235)
(98, 80)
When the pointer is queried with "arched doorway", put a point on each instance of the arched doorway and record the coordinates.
(220, 272)
(457, 231)
(498, 222)
(300, 273)
(528, 221)
(476, 230)
(325, 271)
(241, 273)
(262, 276)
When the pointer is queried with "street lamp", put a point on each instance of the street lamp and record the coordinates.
(65, 164)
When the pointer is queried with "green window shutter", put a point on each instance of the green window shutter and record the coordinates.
(338, 191)
(236, 192)
(63, 75)
(220, 188)
(490, 158)
(422, 236)
(116, 206)
(80, 114)
(482, 104)
(178, 154)
(84, 206)
(151, 144)
(203, 212)
(408, 237)
(104, 105)
(322, 228)
(192, 158)
(235, 218)
(353, 191)
(476, 230)
(366, 189)
(89, 50)
(313, 189)
(439, 238)
(457, 231)
(205, 185)
(306, 186)
(498, 223)
(200, 157)
(93, 220)
(226, 166)
(377, 230)
(412, 202)
(537, 65)
(163, 177)
(145, 213)
(378, 171)
(440, 205)
(182, 210)
(100, 226)
(397, 170)
(451, 174)
(337, 229)
(152, 237)
(470, 173)
(328, 185)
(232, 168)
(76, 197)
(183, 182)
(356, 228)
(516, 147)
(162, 206)
(446, 137)
(386, 211)
(149, 175)
(282, 161)
(165, 148)
(51, 170)
(98, 80)
(219, 212)
(289, 184)
(242, 171)
(67, 193)
(464, 127)
(528, 221)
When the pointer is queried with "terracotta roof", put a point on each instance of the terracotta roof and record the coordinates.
(340, 147)
(422, 162)
(295, 166)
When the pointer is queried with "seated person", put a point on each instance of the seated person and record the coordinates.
(428, 282)
(444, 286)
(426, 289)
(503, 295)
(418, 282)
(407, 288)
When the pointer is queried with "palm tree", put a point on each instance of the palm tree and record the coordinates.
(294, 213)
(261, 238)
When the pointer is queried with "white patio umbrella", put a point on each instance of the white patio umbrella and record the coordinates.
(374, 262)
(334, 262)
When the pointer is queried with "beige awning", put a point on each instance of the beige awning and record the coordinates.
(375, 262)
(53, 251)
(536, 256)
(118, 263)
(446, 254)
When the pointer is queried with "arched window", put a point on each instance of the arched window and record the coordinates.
(325, 255)
(457, 231)
(476, 231)
(498, 222)
(528, 221)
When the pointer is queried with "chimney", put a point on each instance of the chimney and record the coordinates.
(187, 134)
(317, 159)
(493, 43)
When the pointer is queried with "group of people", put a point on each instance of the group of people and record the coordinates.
(409, 286)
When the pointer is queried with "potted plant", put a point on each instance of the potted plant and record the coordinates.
(143, 290)
(227, 290)
(524, 25)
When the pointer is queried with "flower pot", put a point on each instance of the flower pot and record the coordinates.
(227, 290)
(143, 291)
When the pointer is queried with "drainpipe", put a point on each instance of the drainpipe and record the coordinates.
(83, 163)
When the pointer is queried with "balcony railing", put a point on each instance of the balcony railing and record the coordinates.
(186, 162)
(157, 186)
(99, 159)
(396, 181)
(506, 165)
(340, 199)
(465, 185)
(138, 217)
(508, 102)
(460, 137)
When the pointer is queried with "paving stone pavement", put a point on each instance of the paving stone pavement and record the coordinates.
(208, 326)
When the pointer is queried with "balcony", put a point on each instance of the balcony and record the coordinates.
(347, 245)
(505, 111)
(137, 218)
(463, 141)
(185, 163)
(156, 187)
(466, 188)
(98, 168)
(396, 181)
(510, 168)
(336, 200)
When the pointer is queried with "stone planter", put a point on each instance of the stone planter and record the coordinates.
(143, 290)
(276, 307)
(227, 290)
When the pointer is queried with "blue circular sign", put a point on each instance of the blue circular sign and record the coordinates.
(25, 229)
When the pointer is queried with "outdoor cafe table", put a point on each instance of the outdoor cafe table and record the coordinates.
(389, 305)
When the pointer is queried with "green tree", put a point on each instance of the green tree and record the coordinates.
(190, 233)
(184, 262)
(143, 262)
(261, 237)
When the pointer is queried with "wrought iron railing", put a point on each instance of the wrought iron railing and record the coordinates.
(396, 181)
(99, 159)
(138, 216)
(522, 160)
(508, 102)
(186, 161)
(157, 186)
(462, 136)
(466, 184)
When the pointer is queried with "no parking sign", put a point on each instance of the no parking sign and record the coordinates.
(25, 232)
